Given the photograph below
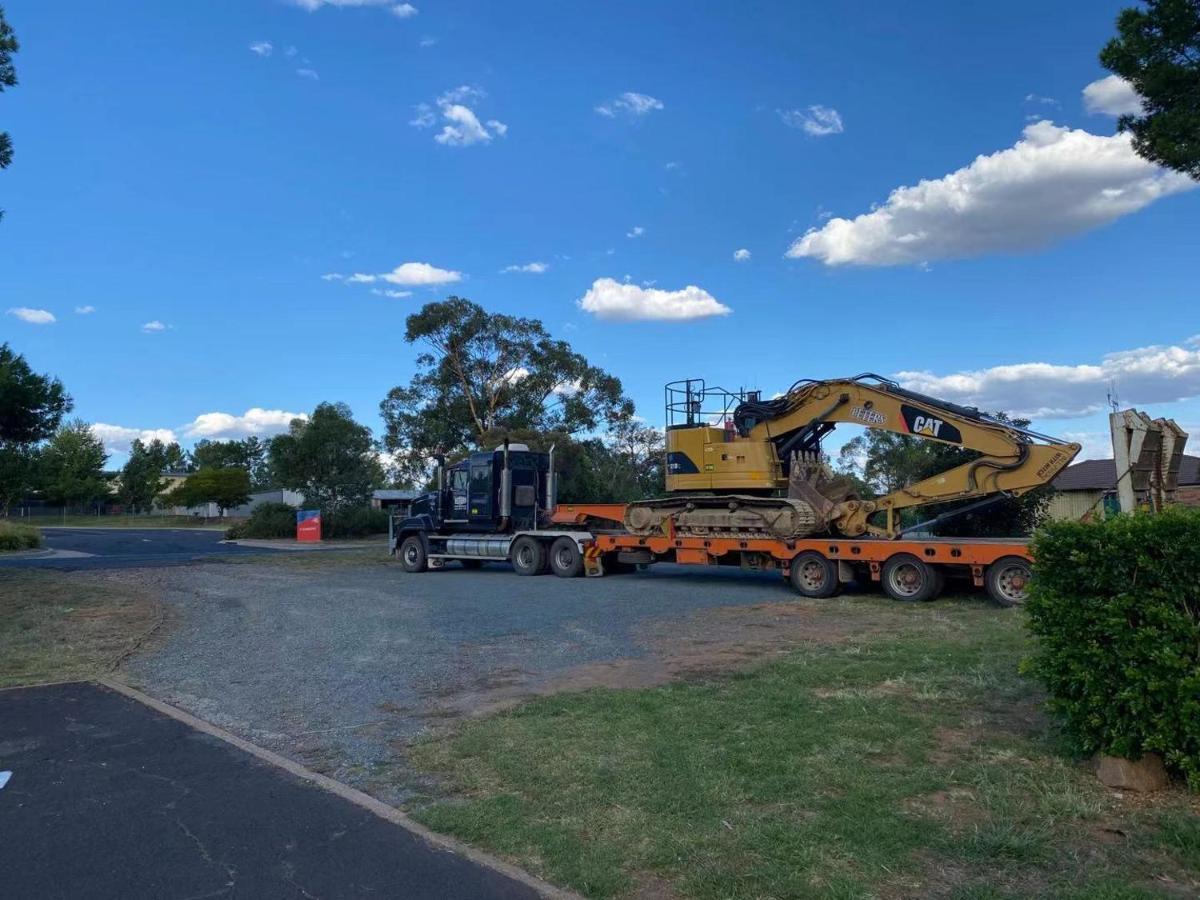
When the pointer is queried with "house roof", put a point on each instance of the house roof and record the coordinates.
(388, 494)
(1101, 475)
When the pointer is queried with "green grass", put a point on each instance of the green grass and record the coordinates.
(131, 521)
(15, 536)
(913, 764)
(58, 626)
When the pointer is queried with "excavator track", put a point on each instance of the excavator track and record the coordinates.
(729, 515)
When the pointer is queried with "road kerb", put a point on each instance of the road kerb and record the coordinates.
(357, 797)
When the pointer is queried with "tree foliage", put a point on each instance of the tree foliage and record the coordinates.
(249, 454)
(880, 462)
(71, 466)
(8, 78)
(141, 479)
(226, 487)
(329, 458)
(17, 472)
(31, 405)
(482, 374)
(1157, 50)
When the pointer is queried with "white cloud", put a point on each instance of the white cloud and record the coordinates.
(608, 298)
(308, 73)
(388, 292)
(427, 41)
(631, 104)
(1054, 183)
(1156, 374)
(84, 310)
(117, 438)
(262, 48)
(402, 10)
(419, 274)
(462, 127)
(253, 421)
(635, 232)
(818, 121)
(409, 274)
(1045, 101)
(424, 117)
(742, 255)
(1112, 96)
(533, 268)
(289, 50)
(153, 326)
(33, 316)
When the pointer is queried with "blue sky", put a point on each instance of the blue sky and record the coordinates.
(203, 165)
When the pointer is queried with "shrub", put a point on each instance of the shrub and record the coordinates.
(267, 520)
(19, 537)
(358, 521)
(1115, 611)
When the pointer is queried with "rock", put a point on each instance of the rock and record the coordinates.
(1145, 774)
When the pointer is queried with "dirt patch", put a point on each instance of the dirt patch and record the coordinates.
(957, 807)
(709, 642)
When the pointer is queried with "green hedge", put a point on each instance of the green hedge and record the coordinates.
(278, 520)
(267, 520)
(1115, 612)
(14, 536)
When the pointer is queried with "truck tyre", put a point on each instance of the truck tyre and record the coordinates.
(813, 575)
(1007, 580)
(529, 556)
(412, 554)
(910, 579)
(566, 560)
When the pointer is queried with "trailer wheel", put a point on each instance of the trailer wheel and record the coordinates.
(412, 554)
(566, 561)
(1007, 580)
(529, 556)
(471, 563)
(910, 579)
(812, 575)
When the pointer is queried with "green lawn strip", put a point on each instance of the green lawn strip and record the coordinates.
(847, 770)
(58, 626)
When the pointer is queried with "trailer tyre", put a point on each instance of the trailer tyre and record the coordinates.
(412, 554)
(529, 556)
(812, 575)
(566, 560)
(910, 579)
(1007, 580)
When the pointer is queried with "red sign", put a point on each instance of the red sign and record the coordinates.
(308, 525)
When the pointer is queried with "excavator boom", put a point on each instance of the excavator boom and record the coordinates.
(762, 457)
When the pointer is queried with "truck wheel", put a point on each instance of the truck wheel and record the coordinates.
(1007, 580)
(529, 556)
(812, 575)
(907, 578)
(565, 559)
(412, 554)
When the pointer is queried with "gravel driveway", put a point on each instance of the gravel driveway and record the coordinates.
(340, 661)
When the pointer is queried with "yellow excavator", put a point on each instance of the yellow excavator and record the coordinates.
(741, 466)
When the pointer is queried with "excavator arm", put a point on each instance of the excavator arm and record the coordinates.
(1011, 460)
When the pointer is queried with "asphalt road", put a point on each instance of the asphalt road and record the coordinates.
(109, 798)
(123, 548)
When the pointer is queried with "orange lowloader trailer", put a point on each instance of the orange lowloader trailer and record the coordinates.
(907, 569)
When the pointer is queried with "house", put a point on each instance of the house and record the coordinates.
(394, 501)
(1083, 490)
